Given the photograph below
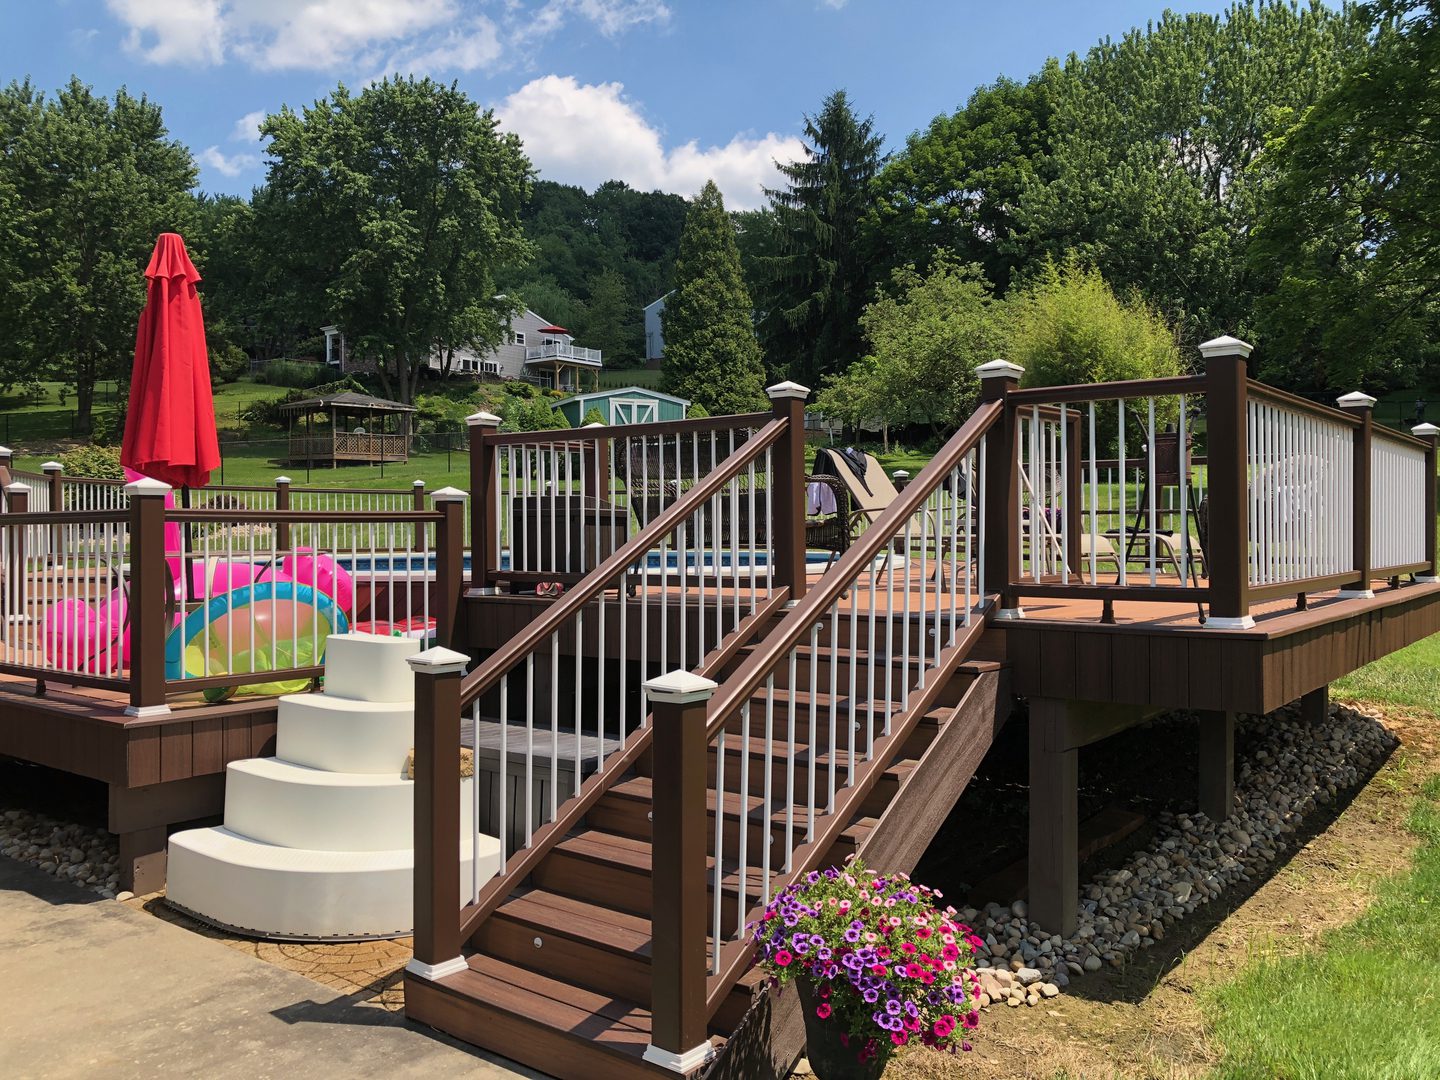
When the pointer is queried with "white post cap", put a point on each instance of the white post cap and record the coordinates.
(282, 480)
(1000, 369)
(52, 466)
(1355, 400)
(898, 473)
(418, 483)
(1424, 431)
(483, 419)
(595, 424)
(438, 661)
(679, 686)
(5, 451)
(787, 389)
(449, 494)
(1225, 346)
(15, 486)
(147, 485)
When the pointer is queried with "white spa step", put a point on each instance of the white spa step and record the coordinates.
(279, 802)
(339, 734)
(370, 667)
(238, 882)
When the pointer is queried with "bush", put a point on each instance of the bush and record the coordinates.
(295, 373)
(593, 416)
(108, 428)
(94, 462)
(531, 414)
(227, 363)
(442, 414)
(268, 412)
(697, 412)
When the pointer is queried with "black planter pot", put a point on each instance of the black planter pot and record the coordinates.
(831, 1059)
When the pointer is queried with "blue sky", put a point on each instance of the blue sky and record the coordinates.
(659, 94)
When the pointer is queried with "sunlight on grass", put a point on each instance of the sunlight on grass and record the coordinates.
(1365, 1003)
(1410, 678)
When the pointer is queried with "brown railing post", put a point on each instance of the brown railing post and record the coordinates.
(1431, 434)
(787, 503)
(1074, 493)
(55, 481)
(17, 501)
(7, 461)
(484, 483)
(449, 563)
(1228, 557)
(438, 672)
(1362, 407)
(679, 924)
(418, 503)
(901, 479)
(148, 573)
(282, 502)
(1002, 488)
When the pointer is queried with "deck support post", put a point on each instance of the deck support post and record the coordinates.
(1362, 407)
(148, 619)
(484, 487)
(282, 502)
(1002, 489)
(1054, 818)
(142, 860)
(787, 399)
(1431, 434)
(1226, 406)
(1315, 706)
(1217, 765)
(438, 672)
(679, 924)
(55, 479)
(417, 502)
(449, 564)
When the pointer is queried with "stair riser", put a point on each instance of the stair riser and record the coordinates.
(366, 667)
(339, 740)
(628, 817)
(613, 886)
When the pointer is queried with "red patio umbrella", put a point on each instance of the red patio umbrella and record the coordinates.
(170, 427)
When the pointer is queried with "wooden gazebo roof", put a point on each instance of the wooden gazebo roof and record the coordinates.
(350, 401)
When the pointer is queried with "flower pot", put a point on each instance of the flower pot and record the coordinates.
(830, 1058)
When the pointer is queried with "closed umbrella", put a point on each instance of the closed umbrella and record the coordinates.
(170, 426)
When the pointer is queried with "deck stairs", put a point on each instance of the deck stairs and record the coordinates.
(318, 841)
(559, 976)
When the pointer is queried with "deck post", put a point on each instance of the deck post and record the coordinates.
(417, 502)
(1074, 494)
(1226, 405)
(1362, 407)
(438, 674)
(1002, 488)
(449, 563)
(1217, 764)
(679, 925)
(282, 502)
(1431, 434)
(484, 485)
(55, 479)
(148, 575)
(787, 399)
(16, 597)
(1054, 818)
(1315, 706)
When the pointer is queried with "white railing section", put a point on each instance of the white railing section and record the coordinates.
(784, 757)
(1300, 473)
(1397, 505)
(547, 721)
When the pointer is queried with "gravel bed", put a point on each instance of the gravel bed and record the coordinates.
(81, 854)
(1291, 769)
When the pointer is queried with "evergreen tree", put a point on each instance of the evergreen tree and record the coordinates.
(817, 285)
(711, 355)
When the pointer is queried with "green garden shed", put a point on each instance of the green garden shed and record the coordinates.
(626, 405)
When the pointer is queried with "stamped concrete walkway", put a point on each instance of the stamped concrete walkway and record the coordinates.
(92, 987)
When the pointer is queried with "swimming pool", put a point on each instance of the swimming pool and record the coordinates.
(370, 565)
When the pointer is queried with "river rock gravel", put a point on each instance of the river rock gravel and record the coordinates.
(80, 854)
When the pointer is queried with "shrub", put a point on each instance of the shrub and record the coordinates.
(268, 412)
(94, 462)
(227, 363)
(107, 428)
(882, 963)
(593, 416)
(531, 414)
(697, 411)
(295, 373)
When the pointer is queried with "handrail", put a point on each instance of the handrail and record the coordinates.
(751, 674)
(1114, 391)
(1402, 437)
(494, 667)
(629, 431)
(1293, 401)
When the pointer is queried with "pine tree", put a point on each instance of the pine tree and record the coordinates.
(711, 355)
(816, 287)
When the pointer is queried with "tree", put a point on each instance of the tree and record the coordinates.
(1352, 231)
(1158, 156)
(86, 184)
(927, 334)
(611, 320)
(711, 355)
(955, 187)
(400, 203)
(815, 287)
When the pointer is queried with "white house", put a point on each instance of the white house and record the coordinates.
(654, 332)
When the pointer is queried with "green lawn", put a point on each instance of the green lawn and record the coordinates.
(1366, 1003)
(46, 416)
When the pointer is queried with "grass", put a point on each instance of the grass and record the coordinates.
(46, 416)
(1409, 678)
(1366, 1003)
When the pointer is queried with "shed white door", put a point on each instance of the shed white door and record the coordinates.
(633, 411)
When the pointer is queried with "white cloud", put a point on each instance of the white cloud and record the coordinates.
(586, 134)
(172, 31)
(226, 164)
(247, 128)
(466, 48)
(834, 5)
(328, 34)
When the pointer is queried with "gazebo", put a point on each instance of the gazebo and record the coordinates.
(362, 428)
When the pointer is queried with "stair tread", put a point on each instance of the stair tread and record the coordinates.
(586, 1014)
(288, 772)
(641, 789)
(574, 917)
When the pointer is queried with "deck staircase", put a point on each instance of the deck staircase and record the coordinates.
(559, 973)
